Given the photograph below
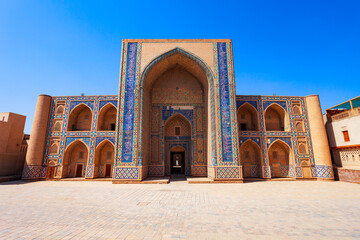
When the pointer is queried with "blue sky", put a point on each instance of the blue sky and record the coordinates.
(280, 47)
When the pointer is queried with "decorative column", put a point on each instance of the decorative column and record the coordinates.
(323, 165)
(33, 168)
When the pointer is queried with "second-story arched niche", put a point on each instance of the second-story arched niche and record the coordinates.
(276, 118)
(107, 118)
(247, 118)
(80, 118)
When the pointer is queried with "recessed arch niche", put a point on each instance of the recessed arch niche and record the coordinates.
(80, 118)
(76, 157)
(247, 117)
(176, 81)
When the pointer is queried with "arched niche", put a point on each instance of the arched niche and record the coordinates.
(60, 110)
(280, 157)
(177, 126)
(54, 148)
(181, 74)
(177, 130)
(299, 126)
(247, 117)
(57, 126)
(276, 118)
(250, 159)
(104, 158)
(107, 118)
(80, 118)
(296, 110)
(302, 148)
(75, 160)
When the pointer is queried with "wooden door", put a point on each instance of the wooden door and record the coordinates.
(108, 170)
(79, 169)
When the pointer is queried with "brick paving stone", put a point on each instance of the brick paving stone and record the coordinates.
(101, 210)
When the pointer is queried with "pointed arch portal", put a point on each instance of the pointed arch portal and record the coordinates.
(177, 82)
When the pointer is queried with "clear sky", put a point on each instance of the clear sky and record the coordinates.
(280, 47)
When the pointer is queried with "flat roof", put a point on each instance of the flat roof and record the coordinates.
(352, 103)
(175, 40)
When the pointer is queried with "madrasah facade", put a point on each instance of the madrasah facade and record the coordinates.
(177, 113)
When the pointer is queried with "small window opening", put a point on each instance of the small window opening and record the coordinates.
(81, 155)
(243, 126)
(177, 131)
(346, 136)
(112, 127)
(108, 155)
(247, 154)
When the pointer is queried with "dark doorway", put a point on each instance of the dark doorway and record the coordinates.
(79, 169)
(108, 170)
(177, 162)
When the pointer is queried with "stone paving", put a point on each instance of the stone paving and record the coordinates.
(101, 210)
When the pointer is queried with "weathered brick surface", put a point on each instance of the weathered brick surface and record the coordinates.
(101, 210)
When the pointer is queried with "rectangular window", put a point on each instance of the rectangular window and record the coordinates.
(346, 136)
(243, 126)
(108, 155)
(247, 154)
(177, 131)
(81, 155)
(113, 127)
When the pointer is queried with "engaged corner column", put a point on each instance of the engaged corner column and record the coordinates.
(323, 165)
(34, 156)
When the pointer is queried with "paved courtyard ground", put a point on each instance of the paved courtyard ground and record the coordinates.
(101, 210)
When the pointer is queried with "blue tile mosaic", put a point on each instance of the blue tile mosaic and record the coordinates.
(240, 103)
(103, 103)
(168, 111)
(69, 140)
(100, 139)
(225, 103)
(268, 103)
(129, 103)
(73, 104)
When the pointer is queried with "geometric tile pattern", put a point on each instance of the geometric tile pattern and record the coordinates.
(324, 171)
(268, 103)
(290, 137)
(156, 170)
(31, 171)
(255, 171)
(126, 173)
(298, 172)
(291, 171)
(67, 137)
(89, 171)
(284, 171)
(129, 104)
(240, 103)
(227, 172)
(225, 103)
(199, 170)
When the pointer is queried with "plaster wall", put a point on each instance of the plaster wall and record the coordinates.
(150, 50)
(12, 132)
(335, 131)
